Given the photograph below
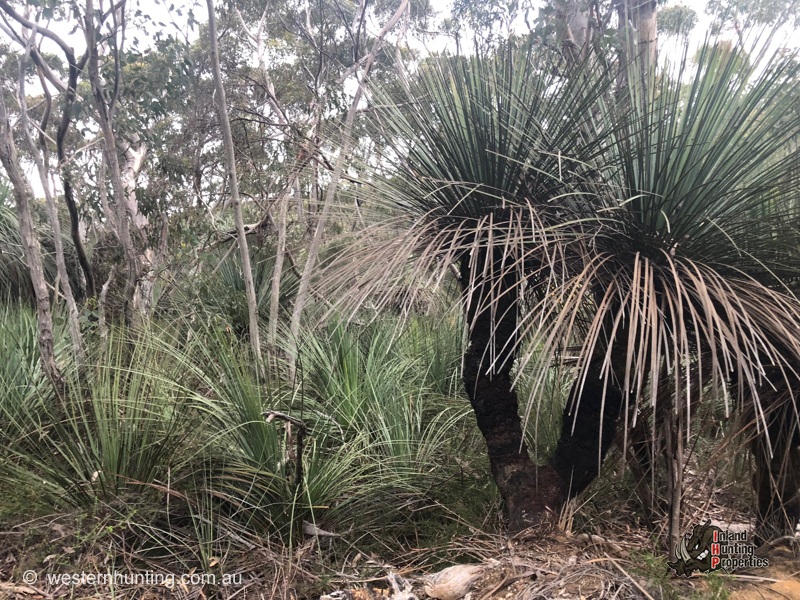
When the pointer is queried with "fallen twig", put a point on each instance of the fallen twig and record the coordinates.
(509, 579)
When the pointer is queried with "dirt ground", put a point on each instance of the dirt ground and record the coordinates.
(539, 564)
(584, 567)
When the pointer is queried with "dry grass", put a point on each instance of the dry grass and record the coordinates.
(540, 563)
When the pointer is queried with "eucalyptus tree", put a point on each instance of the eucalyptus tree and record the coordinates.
(41, 157)
(638, 29)
(230, 165)
(29, 39)
(103, 28)
(744, 16)
(296, 120)
(23, 196)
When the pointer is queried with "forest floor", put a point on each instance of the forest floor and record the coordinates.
(603, 551)
(538, 564)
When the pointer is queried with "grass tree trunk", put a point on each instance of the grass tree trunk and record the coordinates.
(230, 160)
(674, 432)
(23, 195)
(589, 423)
(776, 479)
(777, 486)
(588, 427)
(528, 491)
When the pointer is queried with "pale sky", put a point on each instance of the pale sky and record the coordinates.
(173, 14)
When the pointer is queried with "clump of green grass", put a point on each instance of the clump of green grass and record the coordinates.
(114, 430)
(161, 441)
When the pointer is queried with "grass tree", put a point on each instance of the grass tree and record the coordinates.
(643, 227)
(689, 277)
(479, 190)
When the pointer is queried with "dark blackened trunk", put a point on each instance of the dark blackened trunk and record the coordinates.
(528, 491)
(777, 485)
(589, 425)
(642, 450)
(66, 178)
(777, 475)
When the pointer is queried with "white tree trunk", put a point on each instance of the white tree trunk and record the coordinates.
(257, 37)
(638, 29)
(23, 194)
(104, 116)
(230, 160)
(573, 29)
(73, 318)
(330, 194)
(277, 273)
(135, 154)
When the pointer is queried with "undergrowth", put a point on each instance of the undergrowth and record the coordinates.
(158, 451)
(159, 455)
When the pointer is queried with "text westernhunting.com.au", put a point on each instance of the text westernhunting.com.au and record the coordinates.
(149, 578)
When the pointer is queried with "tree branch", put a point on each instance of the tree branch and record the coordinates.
(330, 194)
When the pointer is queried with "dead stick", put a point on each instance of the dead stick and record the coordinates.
(302, 429)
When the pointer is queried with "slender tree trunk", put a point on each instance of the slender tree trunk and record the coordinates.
(277, 273)
(230, 160)
(330, 194)
(673, 425)
(573, 29)
(123, 230)
(257, 37)
(638, 30)
(40, 159)
(66, 177)
(104, 110)
(135, 154)
(529, 491)
(70, 89)
(23, 194)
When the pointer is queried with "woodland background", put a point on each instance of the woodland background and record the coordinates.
(202, 221)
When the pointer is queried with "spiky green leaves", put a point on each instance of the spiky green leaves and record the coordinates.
(653, 227)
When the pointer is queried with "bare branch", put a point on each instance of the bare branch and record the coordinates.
(316, 242)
